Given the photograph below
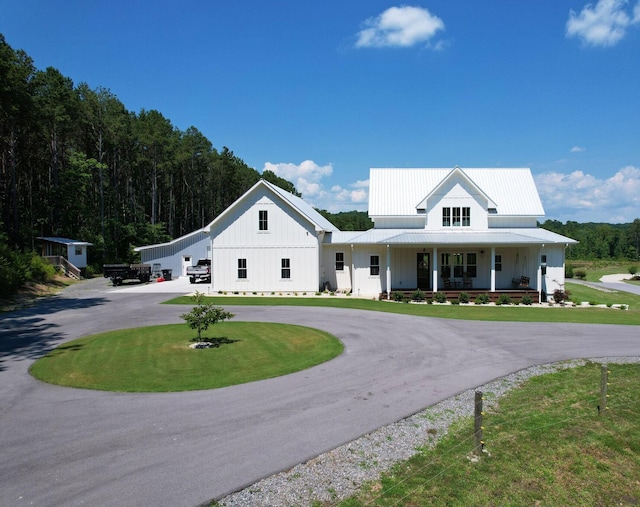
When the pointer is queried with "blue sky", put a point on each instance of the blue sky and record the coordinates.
(320, 91)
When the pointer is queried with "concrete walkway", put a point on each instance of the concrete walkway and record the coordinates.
(72, 447)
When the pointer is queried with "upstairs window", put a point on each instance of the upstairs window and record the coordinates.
(339, 261)
(446, 217)
(263, 220)
(456, 217)
(466, 217)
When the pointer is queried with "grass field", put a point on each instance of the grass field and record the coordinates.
(519, 313)
(158, 358)
(546, 446)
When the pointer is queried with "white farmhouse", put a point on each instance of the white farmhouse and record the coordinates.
(472, 230)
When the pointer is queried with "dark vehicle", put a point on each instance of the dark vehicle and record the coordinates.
(120, 272)
(201, 271)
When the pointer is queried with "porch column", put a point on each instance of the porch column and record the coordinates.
(493, 269)
(435, 269)
(353, 275)
(389, 272)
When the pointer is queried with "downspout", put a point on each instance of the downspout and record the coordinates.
(353, 276)
(434, 273)
(388, 272)
(493, 269)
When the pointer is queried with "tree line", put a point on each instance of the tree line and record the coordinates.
(598, 241)
(74, 162)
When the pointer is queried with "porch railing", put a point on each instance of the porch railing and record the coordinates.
(64, 265)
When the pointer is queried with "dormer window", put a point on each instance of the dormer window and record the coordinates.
(456, 217)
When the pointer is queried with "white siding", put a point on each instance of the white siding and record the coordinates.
(455, 195)
(288, 236)
(196, 245)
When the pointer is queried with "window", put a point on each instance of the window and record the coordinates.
(466, 217)
(263, 220)
(472, 268)
(446, 217)
(374, 265)
(339, 261)
(242, 268)
(78, 250)
(458, 265)
(285, 271)
(456, 217)
(498, 262)
(445, 265)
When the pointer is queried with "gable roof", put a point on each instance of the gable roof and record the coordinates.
(294, 202)
(397, 192)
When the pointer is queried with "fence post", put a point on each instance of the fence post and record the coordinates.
(477, 425)
(604, 382)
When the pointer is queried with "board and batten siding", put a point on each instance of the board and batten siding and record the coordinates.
(196, 245)
(287, 236)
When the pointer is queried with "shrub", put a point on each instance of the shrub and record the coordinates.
(397, 295)
(455, 301)
(526, 300)
(503, 300)
(633, 270)
(418, 295)
(580, 273)
(440, 297)
(560, 296)
(464, 297)
(568, 271)
(482, 299)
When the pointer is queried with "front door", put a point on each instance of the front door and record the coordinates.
(423, 269)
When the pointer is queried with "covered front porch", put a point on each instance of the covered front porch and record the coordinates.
(451, 295)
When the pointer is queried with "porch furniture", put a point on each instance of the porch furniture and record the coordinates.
(520, 283)
(467, 282)
(450, 284)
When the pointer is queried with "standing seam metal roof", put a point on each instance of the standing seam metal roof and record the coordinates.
(396, 192)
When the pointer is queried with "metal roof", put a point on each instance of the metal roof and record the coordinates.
(524, 236)
(64, 241)
(173, 241)
(397, 192)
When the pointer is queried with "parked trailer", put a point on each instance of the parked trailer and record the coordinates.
(120, 272)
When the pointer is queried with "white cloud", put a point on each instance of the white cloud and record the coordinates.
(307, 178)
(577, 149)
(402, 26)
(604, 24)
(584, 198)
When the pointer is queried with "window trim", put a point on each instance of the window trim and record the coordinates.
(263, 220)
(374, 267)
(242, 269)
(285, 268)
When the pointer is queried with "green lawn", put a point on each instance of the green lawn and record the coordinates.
(158, 358)
(513, 313)
(546, 446)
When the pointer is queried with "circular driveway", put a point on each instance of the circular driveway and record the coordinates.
(64, 446)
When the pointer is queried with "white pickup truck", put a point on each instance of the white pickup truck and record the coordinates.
(201, 271)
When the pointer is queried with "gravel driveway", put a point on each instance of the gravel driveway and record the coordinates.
(63, 446)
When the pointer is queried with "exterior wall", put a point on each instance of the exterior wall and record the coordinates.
(288, 236)
(365, 284)
(337, 280)
(454, 194)
(412, 222)
(552, 278)
(511, 222)
(516, 262)
(79, 261)
(170, 255)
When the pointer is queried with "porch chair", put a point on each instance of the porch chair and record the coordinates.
(467, 281)
(448, 284)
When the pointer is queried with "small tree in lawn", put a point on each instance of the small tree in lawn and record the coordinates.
(204, 315)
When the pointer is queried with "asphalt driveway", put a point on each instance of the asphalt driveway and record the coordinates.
(63, 446)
